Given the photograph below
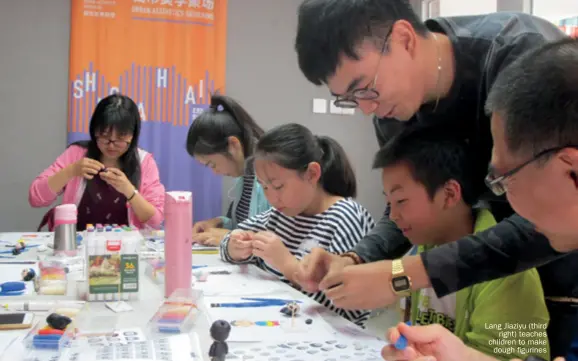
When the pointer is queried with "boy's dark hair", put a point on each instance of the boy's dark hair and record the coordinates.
(328, 29)
(293, 146)
(210, 131)
(537, 98)
(433, 157)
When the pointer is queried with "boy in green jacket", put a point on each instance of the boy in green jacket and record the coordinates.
(428, 182)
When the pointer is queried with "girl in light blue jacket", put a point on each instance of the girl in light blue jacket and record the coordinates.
(223, 137)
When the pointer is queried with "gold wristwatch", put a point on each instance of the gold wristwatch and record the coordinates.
(400, 282)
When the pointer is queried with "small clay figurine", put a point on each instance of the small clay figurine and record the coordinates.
(20, 246)
(220, 331)
(28, 274)
(290, 309)
(58, 322)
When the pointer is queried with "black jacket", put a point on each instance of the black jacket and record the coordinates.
(483, 45)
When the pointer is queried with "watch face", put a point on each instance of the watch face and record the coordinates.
(400, 283)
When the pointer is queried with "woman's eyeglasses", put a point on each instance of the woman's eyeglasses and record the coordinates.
(116, 142)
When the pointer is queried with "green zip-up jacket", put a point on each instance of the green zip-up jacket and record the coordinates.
(484, 311)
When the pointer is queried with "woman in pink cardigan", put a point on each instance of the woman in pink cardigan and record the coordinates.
(109, 178)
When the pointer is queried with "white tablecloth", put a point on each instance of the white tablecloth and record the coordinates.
(151, 296)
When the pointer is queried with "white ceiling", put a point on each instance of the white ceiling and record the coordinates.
(555, 10)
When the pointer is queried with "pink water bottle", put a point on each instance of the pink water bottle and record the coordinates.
(65, 229)
(178, 241)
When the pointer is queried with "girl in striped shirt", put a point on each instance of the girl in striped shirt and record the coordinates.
(310, 184)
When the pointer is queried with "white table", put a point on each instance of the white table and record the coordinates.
(151, 296)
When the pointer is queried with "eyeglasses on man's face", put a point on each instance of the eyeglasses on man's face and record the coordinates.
(351, 100)
(498, 183)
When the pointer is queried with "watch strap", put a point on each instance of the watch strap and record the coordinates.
(397, 267)
(398, 272)
(354, 256)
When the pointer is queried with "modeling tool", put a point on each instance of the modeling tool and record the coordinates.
(254, 302)
(40, 306)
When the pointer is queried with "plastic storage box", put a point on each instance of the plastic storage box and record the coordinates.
(44, 337)
(177, 314)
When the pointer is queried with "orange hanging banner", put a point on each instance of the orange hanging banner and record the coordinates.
(168, 56)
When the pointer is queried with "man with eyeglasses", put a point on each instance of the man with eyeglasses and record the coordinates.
(378, 55)
(535, 153)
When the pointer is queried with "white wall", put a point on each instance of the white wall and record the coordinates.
(552, 10)
(555, 10)
(515, 5)
(33, 94)
(467, 7)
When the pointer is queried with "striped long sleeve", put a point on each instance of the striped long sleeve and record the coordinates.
(337, 230)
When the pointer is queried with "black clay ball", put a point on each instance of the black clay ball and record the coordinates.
(58, 322)
(308, 321)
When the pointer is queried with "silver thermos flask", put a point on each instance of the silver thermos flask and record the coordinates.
(65, 216)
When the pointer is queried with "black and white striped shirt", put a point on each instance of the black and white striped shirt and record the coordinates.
(244, 204)
(337, 230)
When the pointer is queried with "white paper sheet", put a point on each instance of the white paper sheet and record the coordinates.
(8, 340)
(159, 246)
(13, 273)
(306, 350)
(242, 280)
(175, 348)
(352, 332)
(32, 237)
(268, 324)
(347, 342)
